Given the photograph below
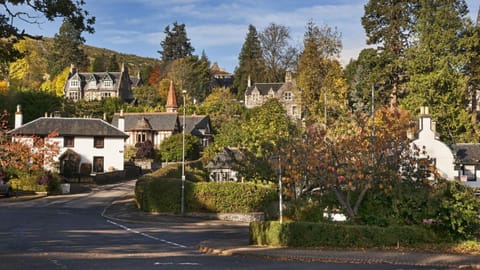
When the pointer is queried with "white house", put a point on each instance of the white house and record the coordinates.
(224, 166)
(86, 145)
(435, 149)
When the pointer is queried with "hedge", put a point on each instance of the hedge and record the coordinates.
(163, 195)
(309, 234)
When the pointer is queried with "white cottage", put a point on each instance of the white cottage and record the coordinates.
(91, 144)
(435, 149)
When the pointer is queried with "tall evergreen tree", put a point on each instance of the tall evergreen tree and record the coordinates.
(66, 50)
(436, 66)
(278, 54)
(113, 64)
(389, 25)
(176, 44)
(99, 63)
(251, 64)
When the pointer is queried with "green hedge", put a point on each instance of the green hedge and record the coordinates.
(309, 234)
(162, 194)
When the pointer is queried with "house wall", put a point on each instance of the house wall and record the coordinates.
(444, 160)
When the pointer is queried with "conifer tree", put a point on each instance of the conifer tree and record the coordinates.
(251, 64)
(176, 44)
(66, 50)
(436, 66)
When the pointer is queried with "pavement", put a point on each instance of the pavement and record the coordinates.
(125, 210)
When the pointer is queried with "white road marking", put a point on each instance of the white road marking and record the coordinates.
(146, 235)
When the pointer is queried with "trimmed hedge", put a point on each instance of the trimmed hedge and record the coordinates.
(309, 234)
(162, 194)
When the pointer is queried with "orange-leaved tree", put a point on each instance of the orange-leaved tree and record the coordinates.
(352, 155)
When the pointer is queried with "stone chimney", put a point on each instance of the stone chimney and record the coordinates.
(288, 77)
(73, 69)
(121, 121)
(249, 82)
(18, 117)
(171, 99)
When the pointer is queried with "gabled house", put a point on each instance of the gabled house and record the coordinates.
(467, 163)
(224, 166)
(287, 93)
(91, 144)
(428, 140)
(157, 126)
(99, 85)
(154, 126)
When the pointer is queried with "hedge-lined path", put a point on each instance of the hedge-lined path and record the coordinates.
(125, 210)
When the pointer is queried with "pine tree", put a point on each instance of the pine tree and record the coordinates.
(389, 25)
(251, 64)
(176, 44)
(66, 50)
(113, 64)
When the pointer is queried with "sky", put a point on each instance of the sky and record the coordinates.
(217, 27)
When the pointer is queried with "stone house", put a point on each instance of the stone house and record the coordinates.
(99, 85)
(286, 92)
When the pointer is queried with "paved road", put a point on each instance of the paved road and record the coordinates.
(69, 232)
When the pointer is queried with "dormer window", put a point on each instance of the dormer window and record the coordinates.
(74, 83)
(107, 83)
(287, 96)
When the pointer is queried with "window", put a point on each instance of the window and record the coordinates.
(294, 110)
(68, 141)
(287, 96)
(74, 83)
(97, 164)
(98, 142)
(107, 83)
(74, 95)
(141, 137)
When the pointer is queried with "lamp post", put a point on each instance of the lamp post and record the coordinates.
(280, 199)
(184, 92)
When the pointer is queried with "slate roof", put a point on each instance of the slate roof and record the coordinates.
(159, 121)
(226, 159)
(263, 88)
(195, 123)
(68, 127)
(99, 77)
(467, 153)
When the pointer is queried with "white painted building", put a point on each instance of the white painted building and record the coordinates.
(435, 149)
(85, 143)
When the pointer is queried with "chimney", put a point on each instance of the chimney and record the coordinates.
(288, 77)
(121, 121)
(18, 117)
(249, 82)
(73, 69)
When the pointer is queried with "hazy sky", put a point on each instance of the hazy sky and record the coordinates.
(217, 27)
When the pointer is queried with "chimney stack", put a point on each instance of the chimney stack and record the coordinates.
(18, 117)
(121, 121)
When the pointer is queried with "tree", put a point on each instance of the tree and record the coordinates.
(436, 65)
(250, 63)
(390, 25)
(66, 50)
(191, 74)
(113, 65)
(317, 70)
(99, 63)
(221, 106)
(32, 12)
(347, 161)
(278, 55)
(171, 148)
(28, 72)
(176, 44)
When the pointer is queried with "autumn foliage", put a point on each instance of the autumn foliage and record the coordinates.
(350, 157)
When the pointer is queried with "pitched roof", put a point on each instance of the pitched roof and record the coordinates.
(171, 104)
(68, 127)
(467, 153)
(228, 158)
(263, 88)
(195, 123)
(159, 121)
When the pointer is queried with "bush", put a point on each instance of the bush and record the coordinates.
(37, 182)
(163, 194)
(309, 234)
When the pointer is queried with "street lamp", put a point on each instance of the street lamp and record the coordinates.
(280, 201)
(184, 93)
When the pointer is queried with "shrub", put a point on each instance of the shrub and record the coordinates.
(309, 234)
(162, 194)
